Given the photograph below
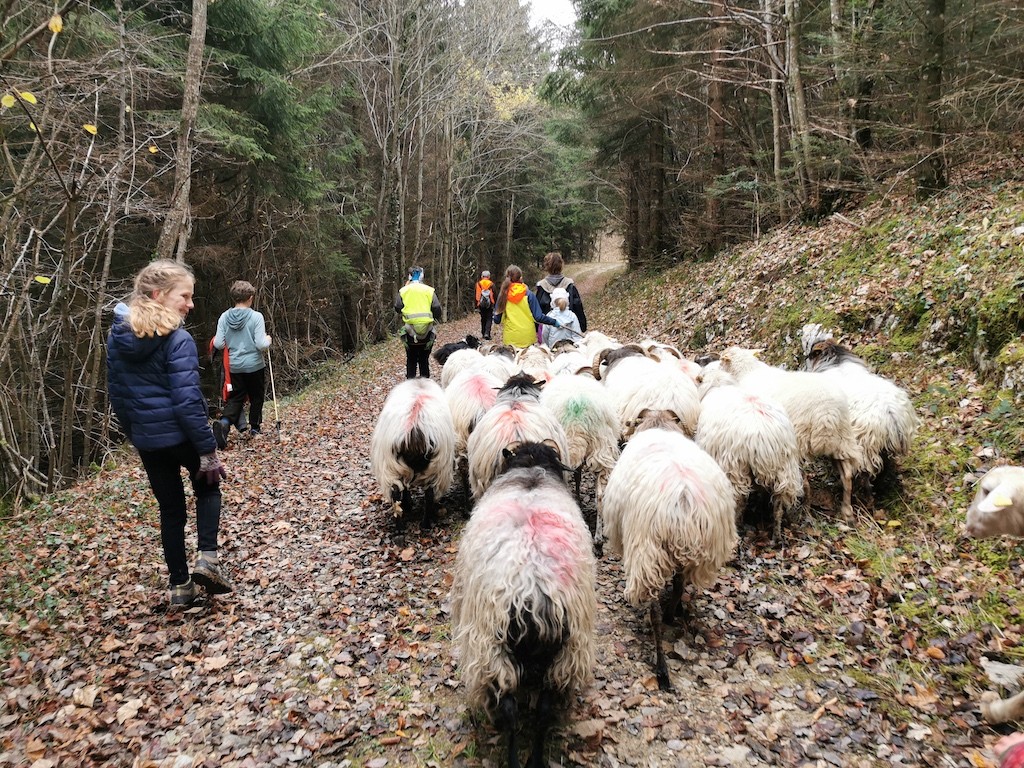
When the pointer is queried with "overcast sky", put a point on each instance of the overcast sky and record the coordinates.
(559, 12)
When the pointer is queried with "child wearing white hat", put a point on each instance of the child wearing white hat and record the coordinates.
(569, 324)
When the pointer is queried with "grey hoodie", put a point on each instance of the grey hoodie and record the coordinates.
(244, 333)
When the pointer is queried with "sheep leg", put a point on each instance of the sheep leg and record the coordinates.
(577, 477)
(661, 665)
(777, 511)
(507, 712)
(599, 483)
(429, 509)
(396, 501)
(545, 708)
(1004, 710)
(675, 601)
(846, 475)
(464, 471)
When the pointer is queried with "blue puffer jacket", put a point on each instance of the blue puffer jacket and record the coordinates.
(153, 384)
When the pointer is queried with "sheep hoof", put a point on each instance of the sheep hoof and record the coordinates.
(664, 681)
(396, 509)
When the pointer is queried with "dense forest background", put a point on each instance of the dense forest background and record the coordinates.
(318, 148)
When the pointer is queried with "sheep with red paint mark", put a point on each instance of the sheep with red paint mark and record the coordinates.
(413, 446)
(670, 512)
(470, 395)
(516, 417)
(752, 439)
(524, 595)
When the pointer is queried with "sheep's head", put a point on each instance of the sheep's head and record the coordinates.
(827, 354)
(650, 418)
(522, 455)
(737, 360)
(520, 386)
(998, 506)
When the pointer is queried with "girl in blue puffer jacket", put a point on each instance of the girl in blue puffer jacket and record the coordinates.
(153, 383)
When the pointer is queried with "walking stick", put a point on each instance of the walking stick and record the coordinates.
(273, 393)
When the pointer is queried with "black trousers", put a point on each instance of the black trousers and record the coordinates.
(252, 385)
(417, 356)
(163, 467)
(486, 318)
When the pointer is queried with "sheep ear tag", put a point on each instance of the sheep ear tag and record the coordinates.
(995, 501)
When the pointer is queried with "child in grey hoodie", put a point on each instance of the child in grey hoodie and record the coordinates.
(243, 331)
(568, 322)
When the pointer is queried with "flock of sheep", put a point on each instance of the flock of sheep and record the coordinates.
(675, 446)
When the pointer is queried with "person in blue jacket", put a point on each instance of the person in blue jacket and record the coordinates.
(244, 332)
(153, 384)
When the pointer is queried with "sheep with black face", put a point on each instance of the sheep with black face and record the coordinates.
(413, 446)
(524, 596)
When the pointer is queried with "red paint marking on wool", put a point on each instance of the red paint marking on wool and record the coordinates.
(757, 404)
(679, 472)
(510, 425)
(553, 536)
(481, 391)
(414, 411)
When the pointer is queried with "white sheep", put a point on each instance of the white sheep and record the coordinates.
(591, 425)
(470, 395)
(413, 446)
(998, 509)
(666, 353)
(516, 417)
(524, 595)
(817, 407)
(534, 360)
(882, 415)
(998, 506)
(458, 361)
(638, 383)
(570, 362)
(671, 512)
(752, 439)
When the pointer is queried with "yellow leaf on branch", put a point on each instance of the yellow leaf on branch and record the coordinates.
(90, 128)
(27, 96)
(7, 100)
(56, 23)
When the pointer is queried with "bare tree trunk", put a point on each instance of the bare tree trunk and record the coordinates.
(798, 105)
(775, 80)
(931, 174)
(174, 235)
(716, 126)
(510, 218)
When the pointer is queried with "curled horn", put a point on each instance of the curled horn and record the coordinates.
(553, 446)
(598, 361)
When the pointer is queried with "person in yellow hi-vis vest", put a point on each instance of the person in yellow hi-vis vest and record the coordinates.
(418, 305)
(518, 310)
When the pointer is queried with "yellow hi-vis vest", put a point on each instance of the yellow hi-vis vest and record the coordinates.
(417, 299)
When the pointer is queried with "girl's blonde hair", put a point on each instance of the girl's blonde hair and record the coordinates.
(146, 315)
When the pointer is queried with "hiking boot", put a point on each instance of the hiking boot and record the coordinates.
(183, 595)
(220, 434)
(208, 574)
(254, 432)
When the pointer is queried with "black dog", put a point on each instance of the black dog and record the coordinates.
(441, 354)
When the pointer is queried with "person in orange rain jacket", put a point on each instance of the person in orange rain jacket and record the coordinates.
(518, 310)
(485, 303)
